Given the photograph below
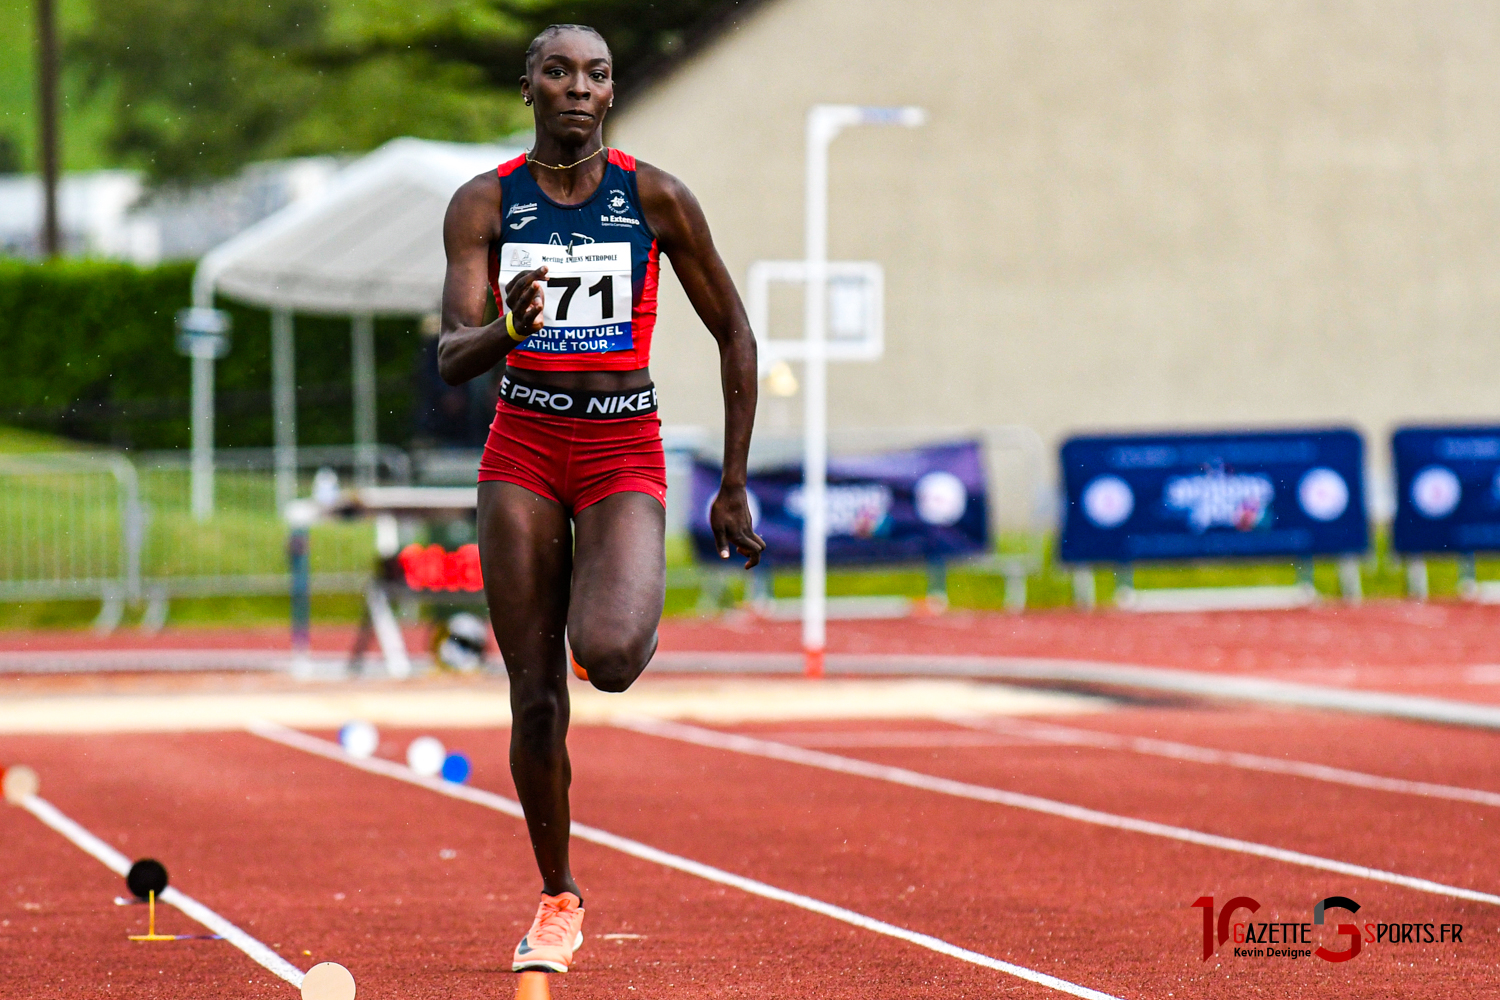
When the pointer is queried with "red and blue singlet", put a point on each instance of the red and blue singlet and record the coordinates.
(603, 265)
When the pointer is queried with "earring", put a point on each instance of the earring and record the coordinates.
(527, 101)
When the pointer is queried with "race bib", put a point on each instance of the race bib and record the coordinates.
(588, 295)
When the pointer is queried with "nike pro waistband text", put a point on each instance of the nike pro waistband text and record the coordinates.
(578, 402)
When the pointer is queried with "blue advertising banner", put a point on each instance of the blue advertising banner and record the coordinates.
(1447, 489)
(896, 506)
(1213, 496)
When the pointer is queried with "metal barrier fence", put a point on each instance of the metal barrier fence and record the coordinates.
(70, 527)
(99, 525)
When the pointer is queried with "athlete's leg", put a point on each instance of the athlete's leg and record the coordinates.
(525, 549)
(619, 584)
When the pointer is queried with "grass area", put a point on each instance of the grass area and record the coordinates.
(68, 526)
(47, 614)
(327, 609)
(679, 551)
(15, 441)
(245, 535)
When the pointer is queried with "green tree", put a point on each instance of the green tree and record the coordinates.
(199, 87)
(10, 155)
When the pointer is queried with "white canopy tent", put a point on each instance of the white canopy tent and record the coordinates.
(371, 244)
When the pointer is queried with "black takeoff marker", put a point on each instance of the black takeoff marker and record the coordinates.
(147, 877)
(146, 880)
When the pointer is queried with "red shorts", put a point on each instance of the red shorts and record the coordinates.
(575, 461)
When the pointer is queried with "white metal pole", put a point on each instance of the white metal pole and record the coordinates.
(202, 318)
(203, 436)
(820, 132)
(823, 123)
(284, 405)
(362, 334)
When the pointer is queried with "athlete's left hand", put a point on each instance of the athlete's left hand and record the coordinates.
(729, 517)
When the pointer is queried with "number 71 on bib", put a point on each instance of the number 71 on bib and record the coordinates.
(588, 295)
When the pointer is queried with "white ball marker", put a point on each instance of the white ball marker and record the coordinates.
(425, 755)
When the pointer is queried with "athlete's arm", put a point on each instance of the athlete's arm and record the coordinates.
(682, 231)
(468, 347)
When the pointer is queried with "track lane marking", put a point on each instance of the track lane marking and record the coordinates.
(1033, 803)
(499, 803)
(120, 865)
(918, 739)
(1219, 686)
(1068, 736)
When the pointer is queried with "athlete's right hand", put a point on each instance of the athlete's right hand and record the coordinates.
(526, 297)
(729, 517)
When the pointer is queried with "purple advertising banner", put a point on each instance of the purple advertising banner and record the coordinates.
(895, 506)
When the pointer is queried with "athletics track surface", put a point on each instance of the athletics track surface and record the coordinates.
(422, 895)
(1439, 649)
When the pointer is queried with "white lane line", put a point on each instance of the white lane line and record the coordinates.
(1068, 736)
(1018, 800)
(636, 849)
(913, 739)
(120, 865)
(1199, 683)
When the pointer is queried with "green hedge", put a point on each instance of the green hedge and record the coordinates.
(90, 353)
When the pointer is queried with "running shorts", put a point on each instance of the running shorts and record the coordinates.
(575, 447)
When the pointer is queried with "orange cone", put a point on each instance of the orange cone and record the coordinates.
(533, 986)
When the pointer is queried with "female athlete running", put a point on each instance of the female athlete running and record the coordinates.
(572, 483)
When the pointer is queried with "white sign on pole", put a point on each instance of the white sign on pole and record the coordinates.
(855, 306)
(203, 332)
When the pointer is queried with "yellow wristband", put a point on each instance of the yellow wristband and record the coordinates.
(510, 328)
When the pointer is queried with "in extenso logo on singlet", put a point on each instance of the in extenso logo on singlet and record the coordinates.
(617, 203)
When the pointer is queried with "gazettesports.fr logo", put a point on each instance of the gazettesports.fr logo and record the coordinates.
(1286, 939)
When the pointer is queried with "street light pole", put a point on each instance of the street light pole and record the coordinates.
(46, 64)
(824, 122)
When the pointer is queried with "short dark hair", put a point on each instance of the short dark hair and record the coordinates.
(556, 29)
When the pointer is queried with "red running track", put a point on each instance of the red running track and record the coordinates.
(1447, 650)
(1443, 649)
(422, 895)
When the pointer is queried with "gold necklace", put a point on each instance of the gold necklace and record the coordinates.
(570, 166)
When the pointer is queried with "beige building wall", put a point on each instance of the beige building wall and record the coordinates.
(1159, 213)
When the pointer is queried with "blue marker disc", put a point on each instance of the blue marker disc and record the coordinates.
(456, 768)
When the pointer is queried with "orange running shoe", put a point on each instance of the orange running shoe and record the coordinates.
(555, 934)
(578, 670)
